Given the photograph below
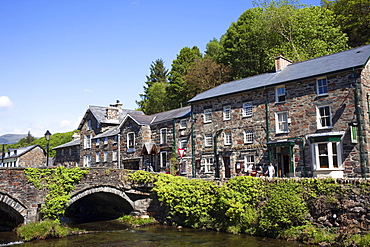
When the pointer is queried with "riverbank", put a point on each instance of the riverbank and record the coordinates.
(315, 211)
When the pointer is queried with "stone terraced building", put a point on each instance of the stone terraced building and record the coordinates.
(309, 119)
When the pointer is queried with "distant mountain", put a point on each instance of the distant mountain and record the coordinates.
(11, 138)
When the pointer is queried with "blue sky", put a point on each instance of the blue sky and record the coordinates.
(59, 56)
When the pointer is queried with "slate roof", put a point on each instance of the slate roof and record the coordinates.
(345, 60)
(100, 113)
(75, 142)
(19, 151)
(172, 114)
(110, 132)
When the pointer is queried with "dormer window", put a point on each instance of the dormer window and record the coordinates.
(280, 94)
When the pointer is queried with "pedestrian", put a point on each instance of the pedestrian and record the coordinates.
(271, 170)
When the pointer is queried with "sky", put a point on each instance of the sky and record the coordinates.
(57, 57)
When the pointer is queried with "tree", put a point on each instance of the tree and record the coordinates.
(205, 74)
(158, 74)
(296, 32)
(179, 92)
(214, 50)
(157, 99)
(353, 16)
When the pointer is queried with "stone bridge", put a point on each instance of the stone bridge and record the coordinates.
(101, 194)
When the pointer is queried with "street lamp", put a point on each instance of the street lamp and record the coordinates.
(47, 137)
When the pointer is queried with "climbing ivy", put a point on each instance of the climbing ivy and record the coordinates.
(59, 181)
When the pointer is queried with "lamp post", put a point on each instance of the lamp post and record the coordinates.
(47, 137)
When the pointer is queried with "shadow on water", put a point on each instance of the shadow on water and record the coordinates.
(113, 233)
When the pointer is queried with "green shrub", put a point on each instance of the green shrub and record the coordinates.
(42, 230)
(309, 234)
(142, 177)
(136, 221)
(284, 207)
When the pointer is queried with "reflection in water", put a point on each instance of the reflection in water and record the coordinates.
(120, 235)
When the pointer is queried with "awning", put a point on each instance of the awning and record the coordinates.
(281, 143)
(326, 137)
(149, 148)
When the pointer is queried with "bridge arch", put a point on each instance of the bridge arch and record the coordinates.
(99, 203)
(12, 211)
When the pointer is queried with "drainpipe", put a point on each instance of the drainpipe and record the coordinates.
(174, 143)
(360, 134)
(192, 144)
(267, 126)
(119, 150)
(215, 149)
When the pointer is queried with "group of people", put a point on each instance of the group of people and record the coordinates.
(260, 171)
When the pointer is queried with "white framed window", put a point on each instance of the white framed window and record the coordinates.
(327, 155)
(282, 122)
(115, 139)
(87, 141)
(163, 159)
(227, 138)
(105, 157)
(208, 164)
(227, 112)
(183, 123)
(324, 117)
(208, 115)
(97, 142)
(247, 109)
(97, 157)
(114, 155)
(88, 124)
(87, 160)
(354, 137)
(106, 141)
(163, 136)
(183, 143)
(248, 136)
(208, 140)
(248, 162)
(130, 142)
(322, 86)
(280, 94)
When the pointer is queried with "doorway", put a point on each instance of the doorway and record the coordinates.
(283, 165)
(227, 166)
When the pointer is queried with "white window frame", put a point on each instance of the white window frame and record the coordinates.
(248, 136)
(88, 124)
(249, 159)
(97, 157)
(105, 156)
(115, 139)
(322, 86)
(87, 160)
(183, 143)
(227, 138)
(183, 123)
(163, 135)
(87, 141)
(320, 118)
(97, 142)
(247, 109)
(280, 96)
(130, 142)
(106, 140)
(227, 112)
(163, 159)
(114, 155)
(330, 155)
(208, 140)
(280, 123)
(207, 115)
(208, 163)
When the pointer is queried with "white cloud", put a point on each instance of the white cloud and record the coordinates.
(65, 123)
(5, 102)
(88, 90)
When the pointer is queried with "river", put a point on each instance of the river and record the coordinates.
(116, 234)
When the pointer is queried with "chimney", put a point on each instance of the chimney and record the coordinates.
(113, 110)
(281, 62)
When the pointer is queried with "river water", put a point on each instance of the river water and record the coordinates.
(116, 234)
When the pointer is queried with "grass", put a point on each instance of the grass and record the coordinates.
(137, 221)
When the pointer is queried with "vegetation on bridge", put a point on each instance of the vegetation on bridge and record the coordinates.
(277, 208)
(59, 181)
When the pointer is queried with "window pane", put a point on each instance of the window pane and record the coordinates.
(323, 155)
